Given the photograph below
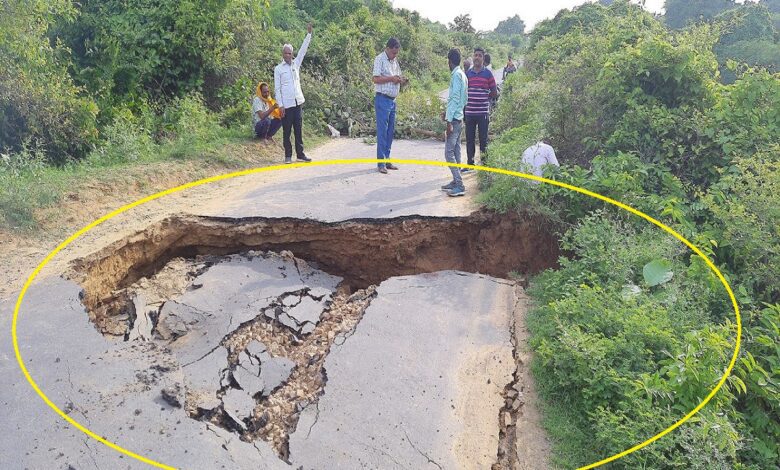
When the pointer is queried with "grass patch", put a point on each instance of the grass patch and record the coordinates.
(29, 189)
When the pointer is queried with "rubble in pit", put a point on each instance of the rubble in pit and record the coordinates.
(249, 333)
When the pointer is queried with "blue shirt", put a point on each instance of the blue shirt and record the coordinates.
(458, 95)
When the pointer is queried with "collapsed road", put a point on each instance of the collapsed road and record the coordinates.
(250, 340)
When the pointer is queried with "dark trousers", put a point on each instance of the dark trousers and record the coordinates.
(472, 123)
(266, 128)
(293, 119)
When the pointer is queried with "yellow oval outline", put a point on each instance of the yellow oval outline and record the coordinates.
(212, 179)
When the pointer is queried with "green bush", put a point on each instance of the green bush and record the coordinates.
(630, 358)
(41, 110)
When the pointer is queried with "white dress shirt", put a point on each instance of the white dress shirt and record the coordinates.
(287, 79)
(538, 155)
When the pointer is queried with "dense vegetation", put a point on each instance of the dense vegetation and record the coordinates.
(632, 331)
(110, 82)
(678, 116)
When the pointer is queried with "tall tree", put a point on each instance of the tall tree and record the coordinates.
(772, 5)
(680, 13)
(511, 26)
(462, 23)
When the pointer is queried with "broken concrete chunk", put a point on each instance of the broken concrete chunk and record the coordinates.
(203, 378)
(274, 371)
(288, 321)
(143, 325)
(249, 380)
(250, 357)
(176, 320)
(291, 300)
(320, 293)
(307, 328)
(238, 405)
(309, 310)
(172, 395)
(255, 348)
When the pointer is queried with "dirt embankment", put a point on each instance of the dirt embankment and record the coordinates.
(363, 252)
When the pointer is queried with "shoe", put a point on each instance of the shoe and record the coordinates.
(448, 186)
(390, 166)
(465, 170)
(304, 159)
(382, 170)
(287, 160)
(457, 191)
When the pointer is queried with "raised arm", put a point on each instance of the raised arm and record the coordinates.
(304, 46)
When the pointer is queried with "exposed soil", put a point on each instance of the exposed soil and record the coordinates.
(363, 252)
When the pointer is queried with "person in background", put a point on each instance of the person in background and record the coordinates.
(466, 68)
(387, 81)
(489, 67)
(266, 115)
(287, 84)
(537, 156)
(510, 67)
(482, 86)
(454, 119)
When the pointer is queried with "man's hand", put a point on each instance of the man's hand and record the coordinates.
(308, 28)
(396, 79)
(449, 128)
(281, 111)
(404, 81)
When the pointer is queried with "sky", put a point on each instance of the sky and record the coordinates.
(485, 14)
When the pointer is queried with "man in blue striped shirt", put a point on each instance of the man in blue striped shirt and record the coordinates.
(454, 118)
(482, 87)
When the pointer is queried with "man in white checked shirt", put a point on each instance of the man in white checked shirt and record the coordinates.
(287, 83)
(387, 81)
(537, 156)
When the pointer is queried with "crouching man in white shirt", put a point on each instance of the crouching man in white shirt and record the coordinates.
(287, 83)
(537, 156)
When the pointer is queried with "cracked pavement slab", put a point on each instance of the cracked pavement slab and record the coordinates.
(113, 388)
(418, 384)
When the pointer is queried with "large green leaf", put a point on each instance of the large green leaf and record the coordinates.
(657, 272)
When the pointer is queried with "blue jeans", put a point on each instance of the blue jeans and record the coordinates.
(452, 151)
(385, 126)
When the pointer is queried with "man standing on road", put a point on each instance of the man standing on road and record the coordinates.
(482, 86)
(454, 119)
(287, 83)
(387, 81)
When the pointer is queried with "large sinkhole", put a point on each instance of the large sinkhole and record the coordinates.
(253, 359)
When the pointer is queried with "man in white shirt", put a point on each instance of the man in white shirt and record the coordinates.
(537, 156)
(287, 83)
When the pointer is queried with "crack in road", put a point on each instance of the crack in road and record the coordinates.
(430, 460)
(381, 452)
